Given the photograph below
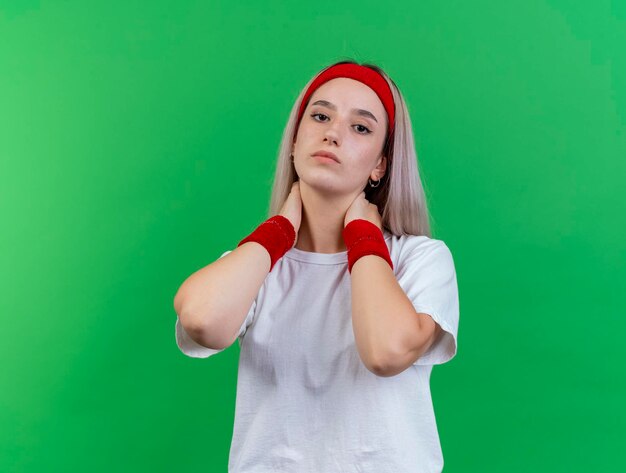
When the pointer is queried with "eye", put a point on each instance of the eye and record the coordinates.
(316, 114)
(366, 131)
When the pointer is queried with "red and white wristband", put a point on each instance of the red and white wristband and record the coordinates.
(276, 234)
(362, 238)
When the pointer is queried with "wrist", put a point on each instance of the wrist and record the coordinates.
(276, 234)
(362, 238)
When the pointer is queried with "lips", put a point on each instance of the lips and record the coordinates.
(326, 154)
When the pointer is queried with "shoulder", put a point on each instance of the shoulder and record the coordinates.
(415, 249)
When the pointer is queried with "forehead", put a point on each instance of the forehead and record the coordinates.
(349, 93)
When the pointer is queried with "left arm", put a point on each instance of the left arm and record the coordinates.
(390, 335)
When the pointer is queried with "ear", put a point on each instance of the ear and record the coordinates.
(381, 168)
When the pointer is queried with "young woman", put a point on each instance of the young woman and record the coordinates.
(341, 301)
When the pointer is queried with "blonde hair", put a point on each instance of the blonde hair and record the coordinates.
(400, 194)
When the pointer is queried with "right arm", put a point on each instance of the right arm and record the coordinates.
(213, 302)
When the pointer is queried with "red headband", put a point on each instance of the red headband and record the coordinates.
(363, 74)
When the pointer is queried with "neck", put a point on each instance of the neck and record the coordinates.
(322, 221)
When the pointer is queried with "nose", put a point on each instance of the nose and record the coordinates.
(331, 133)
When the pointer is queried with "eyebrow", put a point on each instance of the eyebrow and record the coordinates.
(358, 111)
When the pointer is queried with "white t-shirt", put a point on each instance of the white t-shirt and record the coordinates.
(306, 403)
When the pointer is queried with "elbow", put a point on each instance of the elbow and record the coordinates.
(378, 365)
(382, 369)
(376, 361)
(201, 332)
(178, 303)
(179, 300)
(390, 363)
(192, 324)
(202, 325)
(378, 370)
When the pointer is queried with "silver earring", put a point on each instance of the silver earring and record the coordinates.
(372, 185)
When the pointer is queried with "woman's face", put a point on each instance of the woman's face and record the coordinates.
(344, 117)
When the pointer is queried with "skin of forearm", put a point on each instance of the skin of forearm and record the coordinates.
(383, 318)
(213, 302)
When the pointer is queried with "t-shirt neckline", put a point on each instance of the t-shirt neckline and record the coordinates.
(324, 258)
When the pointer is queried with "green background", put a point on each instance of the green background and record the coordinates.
(138, 142)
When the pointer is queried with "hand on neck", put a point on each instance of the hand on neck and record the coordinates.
(322, 221)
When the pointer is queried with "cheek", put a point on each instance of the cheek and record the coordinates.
(362, 152)
(307, 131)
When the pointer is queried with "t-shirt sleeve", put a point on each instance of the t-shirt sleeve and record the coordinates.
(191, 348)
(428, 277)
